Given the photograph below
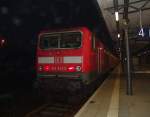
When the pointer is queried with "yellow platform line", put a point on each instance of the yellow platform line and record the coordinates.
(114, 103)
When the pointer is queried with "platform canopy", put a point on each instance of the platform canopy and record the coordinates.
(135, 8)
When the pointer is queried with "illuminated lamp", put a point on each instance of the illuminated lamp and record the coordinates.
(78, 68)
(46, 68)
(117, 16)
(3, 41)
(71, 69)
(40, 68)
(118, 35)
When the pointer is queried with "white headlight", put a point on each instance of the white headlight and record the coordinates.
(78, 68)
(40, 68)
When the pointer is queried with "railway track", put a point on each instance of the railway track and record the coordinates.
(58, 107)
(53, 110)
(62, 104)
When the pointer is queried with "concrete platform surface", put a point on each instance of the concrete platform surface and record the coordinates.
(111, 100)
(105, 101)
(137, 105)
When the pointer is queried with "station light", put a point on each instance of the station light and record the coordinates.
(117, 16)
(2, 42)
(118, 35)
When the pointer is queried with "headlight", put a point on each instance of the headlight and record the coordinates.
(40, 68)
(78, 68)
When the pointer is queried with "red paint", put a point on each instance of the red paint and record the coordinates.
(95, 58)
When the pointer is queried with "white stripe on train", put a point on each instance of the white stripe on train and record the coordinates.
(72, 59)
(65, 59)
(45, 60)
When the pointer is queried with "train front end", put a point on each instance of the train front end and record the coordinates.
(60, 59)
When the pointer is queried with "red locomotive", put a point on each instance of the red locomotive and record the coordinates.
(74, 56)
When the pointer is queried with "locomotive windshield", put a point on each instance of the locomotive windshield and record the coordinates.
(60, 40)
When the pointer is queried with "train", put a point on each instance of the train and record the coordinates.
(71, 58)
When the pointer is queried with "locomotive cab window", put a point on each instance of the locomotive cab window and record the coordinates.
(49, 41)
(60, 40)
(70, 40)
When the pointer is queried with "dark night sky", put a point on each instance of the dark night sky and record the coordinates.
(20, 21)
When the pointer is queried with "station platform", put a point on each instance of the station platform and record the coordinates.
(111, 100)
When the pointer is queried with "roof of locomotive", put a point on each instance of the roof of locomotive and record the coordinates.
(82, 29)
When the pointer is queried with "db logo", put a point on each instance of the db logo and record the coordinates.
(58, 60)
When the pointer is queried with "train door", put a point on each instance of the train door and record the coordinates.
(99, 60)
